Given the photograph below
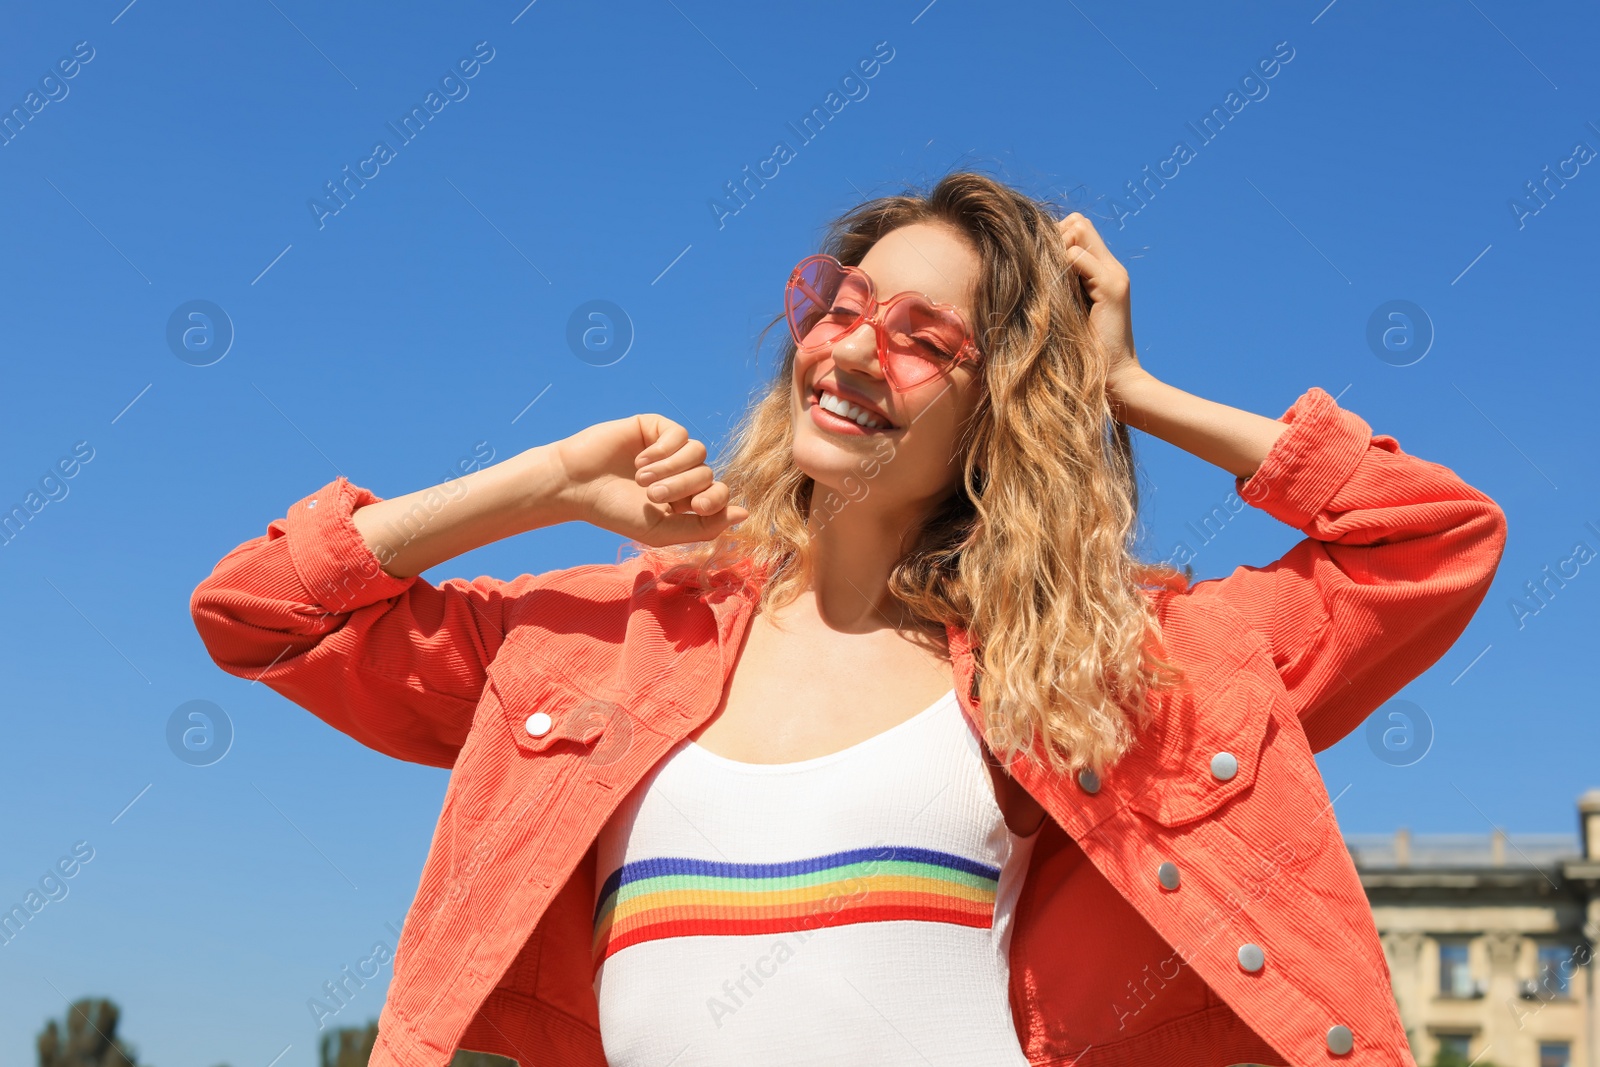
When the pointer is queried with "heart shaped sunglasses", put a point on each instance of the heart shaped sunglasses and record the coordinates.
(918, 338)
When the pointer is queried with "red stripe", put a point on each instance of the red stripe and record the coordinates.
(784, 924)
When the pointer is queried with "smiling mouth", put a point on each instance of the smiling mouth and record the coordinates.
(841, 408)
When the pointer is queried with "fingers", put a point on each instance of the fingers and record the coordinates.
(686, 454)
(706, 502)
(673, 476)
(679, 529)
(664, 436)
(1104, 277)
(694, 491)
(1077, 229)
(1102, 282)
(674, 471)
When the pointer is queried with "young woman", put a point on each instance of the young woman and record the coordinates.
(884, 748)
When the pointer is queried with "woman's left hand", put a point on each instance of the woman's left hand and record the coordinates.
(1106, 282)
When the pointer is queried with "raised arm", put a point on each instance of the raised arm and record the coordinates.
(328, 609)
(1399, 551)
(1234, 439)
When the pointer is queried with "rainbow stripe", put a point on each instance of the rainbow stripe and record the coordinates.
(670, 897)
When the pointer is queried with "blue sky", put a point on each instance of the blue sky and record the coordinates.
(426, 320)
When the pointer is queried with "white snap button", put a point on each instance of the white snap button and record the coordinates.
(1251, 958)
(1224, 765)
(1167, 875)
(538, 724)
(1340, 1040)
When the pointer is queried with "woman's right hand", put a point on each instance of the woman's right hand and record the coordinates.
(645, 478)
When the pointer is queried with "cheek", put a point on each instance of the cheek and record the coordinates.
(940, 405)
(804, 370)
(935, 429)
(944, 421)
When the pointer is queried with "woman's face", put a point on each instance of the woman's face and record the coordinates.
(908, 466)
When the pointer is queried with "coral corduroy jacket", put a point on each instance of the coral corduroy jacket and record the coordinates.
(1261, 950)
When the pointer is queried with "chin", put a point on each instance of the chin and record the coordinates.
(831, 466)
(818, 460)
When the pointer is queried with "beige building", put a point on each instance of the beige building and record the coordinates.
(1491, 941)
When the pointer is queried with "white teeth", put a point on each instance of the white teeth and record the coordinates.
(829, 402)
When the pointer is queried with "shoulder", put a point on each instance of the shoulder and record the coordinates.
(587, 589)
(594, 611)
(1205, 633)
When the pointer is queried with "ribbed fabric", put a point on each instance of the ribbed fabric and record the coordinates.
(1107, 967)
(648, 900)
(852, 908)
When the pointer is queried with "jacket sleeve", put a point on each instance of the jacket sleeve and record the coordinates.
(306, 609)
(1398, 554)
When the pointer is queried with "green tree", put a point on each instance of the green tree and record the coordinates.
(90, 1038)
(1446, 1058)
(348, 1046)
(352, 1047)
(480, 1059)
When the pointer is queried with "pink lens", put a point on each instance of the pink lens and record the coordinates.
(823, 301)
(922, 341)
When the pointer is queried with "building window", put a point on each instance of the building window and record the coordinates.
(1555, 1054)
(1455, 980)
(1555, 971)
(1455, 1050)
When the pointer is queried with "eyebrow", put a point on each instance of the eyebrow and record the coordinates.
(914, 292)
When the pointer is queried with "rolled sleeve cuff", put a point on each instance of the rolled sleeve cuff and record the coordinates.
(331, 557)
(1309, 461)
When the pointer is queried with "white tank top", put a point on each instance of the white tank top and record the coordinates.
(853, 908)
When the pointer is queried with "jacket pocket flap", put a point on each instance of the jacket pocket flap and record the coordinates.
(542, 712)
(1204, 752)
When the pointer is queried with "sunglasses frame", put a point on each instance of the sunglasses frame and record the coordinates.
(876, 313)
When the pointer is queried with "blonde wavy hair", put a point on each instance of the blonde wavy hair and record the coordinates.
(1032, 550)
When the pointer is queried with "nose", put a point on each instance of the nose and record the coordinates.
(858, 350)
